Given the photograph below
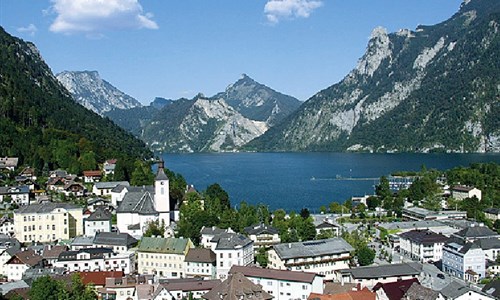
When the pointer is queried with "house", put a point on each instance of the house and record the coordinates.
(491, 247)
(321, 256)
(48, 222)
(96, 259)
(231, 249)
(460, 258)
(119, 242)
(19, 195)
(475, 232)
(238, 284)
(6, 225)
(364, 294)
(104, 188)
(28, 173)
(8, 163)
(459, 291)
(51, 253)
(423, 245)
(492, 289)
(20, 262)
(72, 188)
(208, 233)
(394, 290)
(371, 275)
(492, 268)
(98, 221)
(8, 247)
(200, 263)
(163, 257)
(418, 292)
(262, 235)
(81, 242)
(461, 192)
(95, 203)
(150, 204)
(98, 278)
(92, 176)
(282, 284)
(182, 288)
(492, 213)
(117, 194)
(109, 167)
(422, 214)
(327, 227)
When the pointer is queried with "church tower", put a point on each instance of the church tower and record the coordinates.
(162, 194)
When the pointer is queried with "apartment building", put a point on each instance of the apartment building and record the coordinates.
(423, 245)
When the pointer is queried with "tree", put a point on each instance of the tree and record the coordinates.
(261, 257)
(373, 202)
(217, 192)
(142, 174)
(304, 213)
(365, 256)
(155, 229)
(432, 203)
(45, 288)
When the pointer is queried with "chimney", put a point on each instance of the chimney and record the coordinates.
(289, 245)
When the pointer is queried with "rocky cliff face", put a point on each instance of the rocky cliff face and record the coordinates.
(432, 89)
(200, 125)
(96, 94)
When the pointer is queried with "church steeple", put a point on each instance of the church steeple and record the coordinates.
(162, 191)
(160, 175)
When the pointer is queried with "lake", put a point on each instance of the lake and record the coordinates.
(304, 180)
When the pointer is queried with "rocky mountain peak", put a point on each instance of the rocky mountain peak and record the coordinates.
(379, 48)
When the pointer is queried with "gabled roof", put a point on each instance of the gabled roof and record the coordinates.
(454, 289)
(374, 272)
(100, 214)
(50, 251)
(110, 184)
(418, 292)
(274, 274)
(190, 284)
(461, 188)
(424, 237)
(313, 248)
(96, 173)
(212, 230)
(45, 207)
(163, 245)
(27, 257)
(326, 225)
(227, 240)
(395, 290)
(236, 286)
(476, 232)
(95, 253)
(99, 278)
(200, 255)
(488, 244)
(364, 294)
(138, 202)
(260, 229)
(114, 239)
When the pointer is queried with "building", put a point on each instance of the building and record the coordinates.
(200, 263)
(8, 247)
(422, 214)
(231, 249)
(263, 235)
(394, 290)
(492, 289)
(51, 253)
(72, 188)
(322, 256)
(328, 227)
(104, 188)
(163, 257)
(458, 259)
(491, 247)
(423, 245)
(109, 167)
(418, 292)
(238, 284)
(19, 195)
(208, 233)
(492, 213)
(8, 163)
(183, 288)
(282, 284)
(461, 192)
(48, 222)
(371, 275)
(20, 262)
(92, 176)
(119, 242)
(96, 259)
(475, 232)
(98, 221)
(150, 204)
(7, 225)
(98, 278)
(459, 291)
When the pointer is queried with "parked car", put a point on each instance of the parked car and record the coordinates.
(440, 275)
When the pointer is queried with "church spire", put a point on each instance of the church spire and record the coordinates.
(160, 175)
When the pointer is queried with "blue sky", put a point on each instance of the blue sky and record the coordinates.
(174, 49)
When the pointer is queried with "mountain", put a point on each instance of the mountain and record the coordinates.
(96, 94)
(200, 125)
(133, 119)
(160, 102)
(258, 102)
(42, 125)
(433, 89)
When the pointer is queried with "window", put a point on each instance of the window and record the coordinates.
(53, 227)
(222, 255)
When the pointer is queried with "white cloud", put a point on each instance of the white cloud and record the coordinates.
(95, 16)
(30, 29)
(289, 9)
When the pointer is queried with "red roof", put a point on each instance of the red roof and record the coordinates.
(99, 278)
(364, 294)
(92, 173)
(395, 290)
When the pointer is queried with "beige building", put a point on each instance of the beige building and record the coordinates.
(163, 256)
(461, 192)
(48, 222)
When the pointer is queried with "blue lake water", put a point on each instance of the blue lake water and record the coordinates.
(303, 180)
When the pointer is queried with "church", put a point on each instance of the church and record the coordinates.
(141, 205)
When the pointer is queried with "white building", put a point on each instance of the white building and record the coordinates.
(20, 262)
(98, 221)
(263, 235)
(283, 284)
(96, 259)
(104, 188)
(461, 192)
(200, 263)
(369, 276)
(18, 194)
(423, 245)
(208, 233)
(137, 209)
(163, 257)
(322, 256)
(231, 249)
(463, 260)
